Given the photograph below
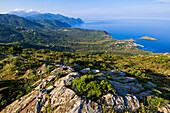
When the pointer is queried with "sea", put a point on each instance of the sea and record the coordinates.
(134, 29)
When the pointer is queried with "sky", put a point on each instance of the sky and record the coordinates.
(94, 9)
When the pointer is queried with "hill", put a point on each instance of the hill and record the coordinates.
(52, 23)
(68, 39)
(49, 16)
(34, 15)
(14, 20)
(22, 13)
(50, 81)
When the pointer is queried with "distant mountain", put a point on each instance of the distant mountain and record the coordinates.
(52, 23)
(49, 16)
(17, 21)
(14, 20)
(24, 13)
(34, 15)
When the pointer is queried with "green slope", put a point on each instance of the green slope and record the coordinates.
(18, 21)
(49, 16)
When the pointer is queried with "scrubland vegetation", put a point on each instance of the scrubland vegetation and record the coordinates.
(20, 68)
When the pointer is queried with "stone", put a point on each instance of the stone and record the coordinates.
(126, 79)
(144, 94)
(101, 78)
(96, 71)
(66, 69)
(165, 109)
(131, 102)
(85, 70)
(42, 67)
(114, 102)
(150, 84)
(37, 82)
(119, 103)
(105, 72)
(123, 89)
(60, 97)
(116, 73)
(50, 88)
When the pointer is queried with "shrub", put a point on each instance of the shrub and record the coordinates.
(86, 85)
(156, 102)
(138, 73)
(94, 90)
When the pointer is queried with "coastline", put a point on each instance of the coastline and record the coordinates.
(126, 29)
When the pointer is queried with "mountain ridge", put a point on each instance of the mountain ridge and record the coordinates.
(34, 15)
(16, 21)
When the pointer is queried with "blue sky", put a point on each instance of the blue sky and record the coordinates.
(95, 9)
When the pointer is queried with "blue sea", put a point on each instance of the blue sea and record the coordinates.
(131, 28)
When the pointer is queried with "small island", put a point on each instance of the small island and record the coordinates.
(148, 38)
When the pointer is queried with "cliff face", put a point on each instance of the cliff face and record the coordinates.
(53, 95)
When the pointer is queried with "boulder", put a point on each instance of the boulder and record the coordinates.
(116, 103)
(85, 70)
(96, 71)
(150, 84)
(66, 69)
(165, 109)
(131, 102)
(116, 73)
(123, 89)
(119, 103)
(125, 79)
(142, 95)
(101, 78)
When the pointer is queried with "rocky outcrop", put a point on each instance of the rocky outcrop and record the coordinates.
(57, 97)
(165, 109)
(125, 79)
(123, 89)
(67, 69)
(119, 103)
(85, 70)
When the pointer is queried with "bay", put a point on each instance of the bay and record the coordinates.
(135, 29)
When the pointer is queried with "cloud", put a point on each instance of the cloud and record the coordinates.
(30, 10)
(3, 12)
(17, 9)
(163, 1)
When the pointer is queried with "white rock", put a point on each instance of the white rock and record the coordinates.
(165, 109)
(150, 84)
(132, 103)
(85, 70)
(126, 79)
(96, 71)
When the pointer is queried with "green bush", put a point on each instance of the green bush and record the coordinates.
(156, 102)
(94, 89)
(88, 86)
(138, 73)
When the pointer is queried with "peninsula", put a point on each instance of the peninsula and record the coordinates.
(148, 38)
